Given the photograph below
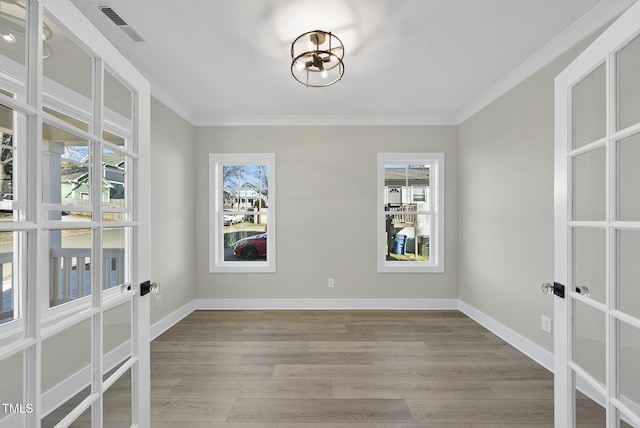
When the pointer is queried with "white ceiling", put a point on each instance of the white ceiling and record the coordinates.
(406, 61)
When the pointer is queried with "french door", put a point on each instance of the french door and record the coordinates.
(74, 223)
(597, 231)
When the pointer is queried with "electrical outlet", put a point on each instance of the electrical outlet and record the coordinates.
(331, 283)
(156, 301)
(546, 324)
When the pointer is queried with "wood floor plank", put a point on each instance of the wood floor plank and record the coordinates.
(320, 410)
(482, 411)
(411, 389)
(288, 388)
(190, 409)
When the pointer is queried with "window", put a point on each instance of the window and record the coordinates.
(242, 212)
(410, 212)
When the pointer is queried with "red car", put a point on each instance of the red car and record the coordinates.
(251, 247)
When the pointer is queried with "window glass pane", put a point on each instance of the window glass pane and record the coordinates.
(245, 211)
(589, 185)
(11, 139)
(66, 166)
(114, 183)
(245, 240)
(406, 185)
(245, 187)
(589, 114)
(408, 236)
(115, 268)
(68, 69)
(70, 265)
(70, 120)
(10, 296)
(53, 418)
(118, 101)
(629, 178)
(628, 68)
(65, 354)
(13, 37)
(12, 390)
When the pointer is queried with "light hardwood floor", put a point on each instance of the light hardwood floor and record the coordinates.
(346, 369)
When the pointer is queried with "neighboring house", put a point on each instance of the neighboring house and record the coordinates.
(74, 183)
(244, 197)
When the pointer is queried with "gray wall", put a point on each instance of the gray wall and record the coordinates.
(326, 179)
(506, 205)
(172, 213)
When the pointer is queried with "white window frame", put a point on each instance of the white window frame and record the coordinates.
(436, 196)
(216, 200)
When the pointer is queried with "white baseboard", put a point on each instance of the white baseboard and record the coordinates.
(326, 304)
(529, 348)
(172, 319)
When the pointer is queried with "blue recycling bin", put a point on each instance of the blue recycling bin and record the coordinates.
(400, 244)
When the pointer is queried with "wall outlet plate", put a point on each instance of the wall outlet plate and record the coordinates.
(546, 324)
(331, 283)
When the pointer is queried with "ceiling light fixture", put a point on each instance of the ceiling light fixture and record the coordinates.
(316, 59)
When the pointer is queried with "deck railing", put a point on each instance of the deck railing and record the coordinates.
(70, 276)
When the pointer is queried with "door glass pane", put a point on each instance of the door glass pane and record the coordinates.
(10, 292)
(589, 104)
(67, 68)
(629, 369)
(117, 403)
(118, 101)
(589, 336)
(114, 139)
(12, 133)
(70, 120)
(69, 265)
(628, 277)
(589, 185)
(590, 411)
(629, 178)
(589, 262)
(66, 407)
(114, 175)
(65, 354)
(13, 36)
(628, 67)
(66, 168)
(117, 335)
(408, 236)
(114, 256)
(11, 391)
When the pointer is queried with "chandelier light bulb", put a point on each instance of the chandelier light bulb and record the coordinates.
(324, 74)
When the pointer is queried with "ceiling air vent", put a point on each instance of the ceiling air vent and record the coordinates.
(121, 23)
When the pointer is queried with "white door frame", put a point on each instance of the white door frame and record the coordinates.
(600, 51)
